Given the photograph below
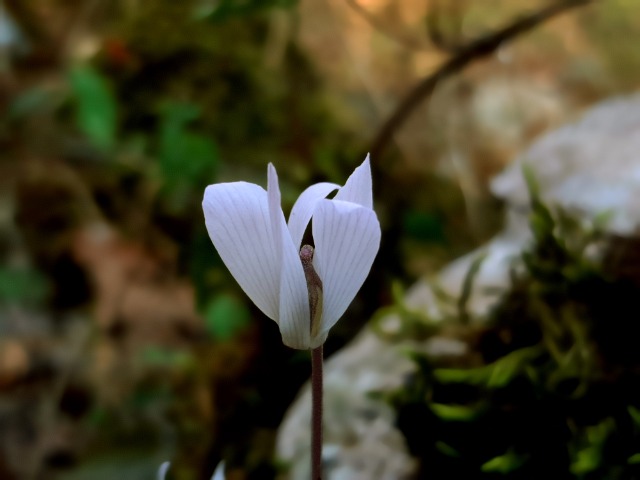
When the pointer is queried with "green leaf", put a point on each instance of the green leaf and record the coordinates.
(187, 160)
(226, 9)
(164, 357)
(225, 317)
(30, 102)
(635, 415)
(22, 285)
(129, 465)
(447, 449)
(503, 464)
(398, 293)
(472, 376)
(510, 366)
(467, 287)
(589, 458)
(423, 226)
(454, 413)
(495, 375)
(96, 108)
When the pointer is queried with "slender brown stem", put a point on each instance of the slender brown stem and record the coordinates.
(316, 413)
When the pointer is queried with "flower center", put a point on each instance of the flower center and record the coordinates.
(314, 287)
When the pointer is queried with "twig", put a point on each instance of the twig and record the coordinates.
(479, 48)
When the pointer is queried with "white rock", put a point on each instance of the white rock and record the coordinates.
(360, 439)
(591, 166)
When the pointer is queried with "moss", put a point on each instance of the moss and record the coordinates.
(556, 389)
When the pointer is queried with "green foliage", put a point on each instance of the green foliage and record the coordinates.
(550, 386)
(453, 413)
(504, 464)
(406, 322)
(225, 9)
(423, 226)
(225, 317)
(187, 160)
(124, 465)
(31, 102)
(498, 374)
(467, 286)
(163, 357)
(95, 104)
(22, 286)
(589, 458)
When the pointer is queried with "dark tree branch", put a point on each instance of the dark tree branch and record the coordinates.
(479, 48)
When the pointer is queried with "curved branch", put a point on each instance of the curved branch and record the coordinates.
(476, 49)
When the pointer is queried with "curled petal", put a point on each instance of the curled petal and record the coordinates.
(303, 209)
(276, 217)
(358, 188)
(347, 238)
(293, 314)
(238, 221)
(219, 473)
(162, 471)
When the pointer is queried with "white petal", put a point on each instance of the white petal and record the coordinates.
(294, 318)
(303, 209)
(358, 188)
(276, 217)
(162, 471)
(219, 473)
(347, 238)
(237, 219)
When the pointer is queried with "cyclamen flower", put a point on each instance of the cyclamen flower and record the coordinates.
(263, 253)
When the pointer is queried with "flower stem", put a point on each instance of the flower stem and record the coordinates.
(316, 413)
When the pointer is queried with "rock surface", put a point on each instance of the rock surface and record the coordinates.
(590, 167)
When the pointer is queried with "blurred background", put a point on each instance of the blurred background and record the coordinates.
(124, 341)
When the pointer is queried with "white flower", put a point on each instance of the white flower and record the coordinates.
(217, 475)
(247, 226)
